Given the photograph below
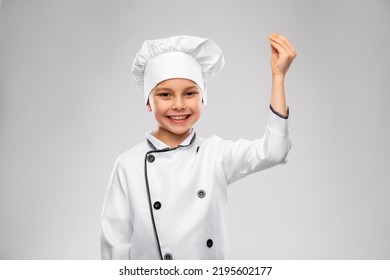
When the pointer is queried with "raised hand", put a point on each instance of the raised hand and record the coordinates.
(282, 54)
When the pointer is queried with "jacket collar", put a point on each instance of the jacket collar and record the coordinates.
(157, 144)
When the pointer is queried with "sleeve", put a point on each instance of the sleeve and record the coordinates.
(116, 224)
(243, 157)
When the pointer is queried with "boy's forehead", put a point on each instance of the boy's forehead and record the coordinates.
(176, 83)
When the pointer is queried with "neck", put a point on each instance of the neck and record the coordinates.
(169, 138)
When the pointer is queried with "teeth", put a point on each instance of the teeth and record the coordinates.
(178, 117)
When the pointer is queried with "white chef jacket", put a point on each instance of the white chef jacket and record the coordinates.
(171, 203)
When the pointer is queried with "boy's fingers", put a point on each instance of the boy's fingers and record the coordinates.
(281, 42)
(279, 50)
(284, 42)
(291, 47)
(284, 50)
(271, 43)
(278, 47)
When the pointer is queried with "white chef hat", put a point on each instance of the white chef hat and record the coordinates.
(188, 57)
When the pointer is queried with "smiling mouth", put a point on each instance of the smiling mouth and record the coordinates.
(178, 118)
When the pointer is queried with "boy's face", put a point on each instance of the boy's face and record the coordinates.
(176, 104)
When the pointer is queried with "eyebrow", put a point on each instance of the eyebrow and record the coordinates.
(169, 89)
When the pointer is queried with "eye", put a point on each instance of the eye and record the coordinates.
(163, 94)
(190, 93)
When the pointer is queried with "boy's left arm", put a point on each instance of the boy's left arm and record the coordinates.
(282, 55)
(243, 157)
(240, 158)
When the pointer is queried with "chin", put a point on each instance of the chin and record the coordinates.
(179, 131)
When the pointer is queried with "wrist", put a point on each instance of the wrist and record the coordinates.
(278, 77)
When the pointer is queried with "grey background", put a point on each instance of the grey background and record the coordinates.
(69, 107)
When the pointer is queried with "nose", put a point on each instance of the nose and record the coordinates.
(178, 104)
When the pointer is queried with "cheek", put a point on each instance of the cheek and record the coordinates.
(160, 110)
(197, 106)
(197, 111)
(158, 113)
(159, 107)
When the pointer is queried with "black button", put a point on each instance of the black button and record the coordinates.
(201, 193)
(168, 257)
(209, 243)
(151, 158)
(157, 205)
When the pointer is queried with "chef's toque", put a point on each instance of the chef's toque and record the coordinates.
(188, 57)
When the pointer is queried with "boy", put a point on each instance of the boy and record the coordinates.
(167, 196)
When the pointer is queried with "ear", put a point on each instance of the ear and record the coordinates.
(149, 107)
